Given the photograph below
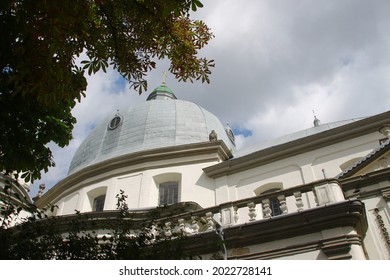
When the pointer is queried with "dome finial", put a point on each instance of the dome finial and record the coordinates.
(162, 92)
(164, 82)
(316, 121)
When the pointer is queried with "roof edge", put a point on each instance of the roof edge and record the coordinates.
(212, 150)
(308, 143)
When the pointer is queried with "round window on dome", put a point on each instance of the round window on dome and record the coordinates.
(230, 134)
(115, 122)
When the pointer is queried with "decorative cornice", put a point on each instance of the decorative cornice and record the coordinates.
(309, 143)
(343, 214)
(340, 244)
(382, 226)
(365, 161)
(338, 248)
(361, 181)
(136, 162)
(386, 194)
(346, 213)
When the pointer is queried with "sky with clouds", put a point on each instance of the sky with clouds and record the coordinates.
(276, 62)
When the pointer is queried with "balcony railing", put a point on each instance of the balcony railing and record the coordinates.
(253, 209)
(190, 218)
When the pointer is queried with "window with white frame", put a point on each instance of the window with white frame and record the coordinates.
(168, 193)
(95, 199)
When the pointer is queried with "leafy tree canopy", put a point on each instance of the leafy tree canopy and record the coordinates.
(40, 81)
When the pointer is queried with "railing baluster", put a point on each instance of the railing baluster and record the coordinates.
(209, 221)
(282, 204)
(235, 214)
(167, 229)
(181, 225)
(267, 212)
(315, 196)
(298, 200)
(252, 211)
(194, 224)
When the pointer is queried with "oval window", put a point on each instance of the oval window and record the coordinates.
(115, 122)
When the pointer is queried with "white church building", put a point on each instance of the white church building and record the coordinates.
(320, 193)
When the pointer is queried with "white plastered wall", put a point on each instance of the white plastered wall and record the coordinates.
(296, 170)
(141, 189)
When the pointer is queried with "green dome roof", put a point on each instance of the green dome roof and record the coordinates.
(161, 92)
(158, 123)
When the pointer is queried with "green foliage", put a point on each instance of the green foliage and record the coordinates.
(40, 81)
(50, 237)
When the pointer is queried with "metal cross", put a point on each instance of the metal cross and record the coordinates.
(165, 78)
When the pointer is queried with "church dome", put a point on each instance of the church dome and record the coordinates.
(161, 121)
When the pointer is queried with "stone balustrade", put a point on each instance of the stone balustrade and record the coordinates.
(267, 206)
(190, 218)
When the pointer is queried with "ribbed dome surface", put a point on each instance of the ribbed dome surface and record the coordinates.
(149, 125)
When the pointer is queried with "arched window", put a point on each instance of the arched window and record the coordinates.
(168, 193)
(168, 188)
(96, 199)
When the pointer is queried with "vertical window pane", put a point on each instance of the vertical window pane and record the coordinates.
(168, 193)
(275, 207)
(274, 203)
(98, 203)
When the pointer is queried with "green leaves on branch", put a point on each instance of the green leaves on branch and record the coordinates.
(40, 80)
(185, 64)
(195, 4)
(94, 66)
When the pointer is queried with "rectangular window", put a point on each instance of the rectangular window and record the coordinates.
(98, 203)
(275, 207)
(274, 203)
(168, 193)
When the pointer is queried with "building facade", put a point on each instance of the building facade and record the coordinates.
(321, 193)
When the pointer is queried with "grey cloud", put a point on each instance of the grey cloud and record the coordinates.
(275, 62)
